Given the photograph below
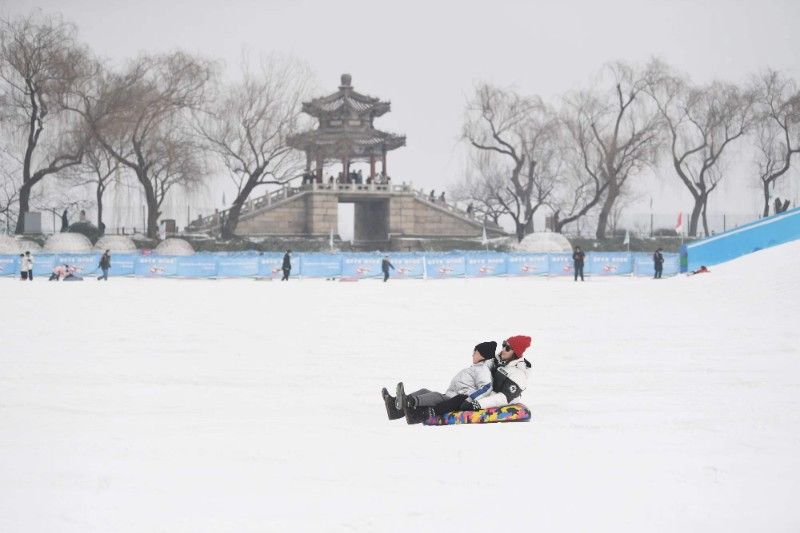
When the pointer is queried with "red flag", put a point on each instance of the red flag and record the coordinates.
(679, 225)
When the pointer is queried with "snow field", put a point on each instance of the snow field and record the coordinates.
(191, 405)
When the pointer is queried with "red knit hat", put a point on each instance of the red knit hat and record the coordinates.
(519, 343)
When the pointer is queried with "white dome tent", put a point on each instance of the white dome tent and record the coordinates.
(174, 246)
(543, 242)
(68, 243)
(120, 244)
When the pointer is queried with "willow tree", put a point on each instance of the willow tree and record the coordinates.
(41, 67)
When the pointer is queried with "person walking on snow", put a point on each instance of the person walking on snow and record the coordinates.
(385, 265)
(473, 382)
(577, 262)
(658, 263)
(287, 265)
(105, 264)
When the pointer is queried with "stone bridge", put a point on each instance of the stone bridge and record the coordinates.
(382, 213)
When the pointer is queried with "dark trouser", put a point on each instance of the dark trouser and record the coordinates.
(23, 274)
(658, 273)
(286, 274)
(30, 275)
(451, 404)
(53, 277)
(104, 275)
(385, 275)
(426, 398)
(578, 271)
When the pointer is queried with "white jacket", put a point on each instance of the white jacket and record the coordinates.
(25, 264)
(508, 382)
(475, 381)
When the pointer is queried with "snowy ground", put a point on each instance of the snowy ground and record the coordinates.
(169, 405)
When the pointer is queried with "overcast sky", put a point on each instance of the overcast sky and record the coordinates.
(425, 56)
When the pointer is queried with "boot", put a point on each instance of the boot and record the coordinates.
(420, 414)
(391, 411)
(400, 401)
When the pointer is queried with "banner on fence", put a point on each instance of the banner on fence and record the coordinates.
(445, 266)
(156, 266)
(9, 265)
(408, 266)
(527, 264)
(362, 266)
(324, 265)
(198, 266)
(269, 266)
(320, 265)
(560, 265)
(609, 263)
(485, 265)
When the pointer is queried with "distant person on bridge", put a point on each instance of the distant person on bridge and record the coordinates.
(385, 266)
(578, 258)
(441, 197)
(287, 265)
(432, 197)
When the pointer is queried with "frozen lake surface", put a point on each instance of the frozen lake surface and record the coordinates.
(179, 405)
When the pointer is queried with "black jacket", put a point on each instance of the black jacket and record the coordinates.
(385, 264)
(287, 262)
(658, 259)
(105, 261)
(578, 257)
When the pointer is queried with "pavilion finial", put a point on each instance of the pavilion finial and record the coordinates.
(346, 79)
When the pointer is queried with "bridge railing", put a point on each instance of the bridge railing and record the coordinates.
(284, 193)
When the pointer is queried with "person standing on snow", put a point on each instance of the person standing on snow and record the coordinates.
(23, 267)
(577, 262)
(287, 265)
(385, 265)
(658, 263)
(472, 382)
(29, 265)
(105, 264)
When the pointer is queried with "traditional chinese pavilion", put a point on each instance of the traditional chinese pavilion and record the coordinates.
(345, 132)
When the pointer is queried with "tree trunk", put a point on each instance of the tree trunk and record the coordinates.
(695, 216)
(232, 220)
(24, 206)
(605, 213)
(100, 225)
(766, 198)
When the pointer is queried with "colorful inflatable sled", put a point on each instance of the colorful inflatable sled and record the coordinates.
(508, 413)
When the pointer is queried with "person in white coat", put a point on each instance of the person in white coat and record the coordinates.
(472, 382)
(29, 264)
(509, 376)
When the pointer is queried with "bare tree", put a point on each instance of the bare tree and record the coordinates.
(582, 186)
(41, 63)
(481, 186)
(777, 133)
(99, 170)
(701, 123)
(139, 117)
(519, 136)
(619, 135)
(248, 125)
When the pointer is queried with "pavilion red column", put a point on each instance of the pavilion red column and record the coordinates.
(384, 163)
(372, 166)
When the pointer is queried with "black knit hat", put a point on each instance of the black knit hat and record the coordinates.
(487, 349)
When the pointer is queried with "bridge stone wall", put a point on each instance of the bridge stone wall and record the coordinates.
(378, 215)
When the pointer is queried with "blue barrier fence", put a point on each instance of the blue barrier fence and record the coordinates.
(764, 233)
(349, 265)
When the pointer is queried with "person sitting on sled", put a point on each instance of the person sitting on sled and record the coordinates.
(472, 382)
(509, 379)
(509, 376)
